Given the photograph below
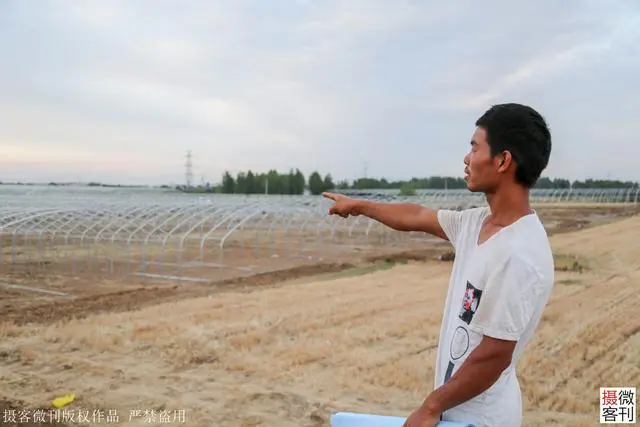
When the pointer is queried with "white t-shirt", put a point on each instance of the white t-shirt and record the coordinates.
(498, 289)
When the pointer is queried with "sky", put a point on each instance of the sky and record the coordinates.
(119, 91)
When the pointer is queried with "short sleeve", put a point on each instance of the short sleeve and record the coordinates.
(451, 223)
(508, 300)
(454, 222)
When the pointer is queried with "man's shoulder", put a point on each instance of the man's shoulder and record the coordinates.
(464, 216)
(475, 213)
(530, 253)
(476, 210)
(527, 232)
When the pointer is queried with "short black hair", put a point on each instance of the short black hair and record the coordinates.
(523, 132)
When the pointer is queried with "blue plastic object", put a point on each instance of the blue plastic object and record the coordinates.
(350, 419)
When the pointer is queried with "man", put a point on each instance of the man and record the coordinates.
(502, 275)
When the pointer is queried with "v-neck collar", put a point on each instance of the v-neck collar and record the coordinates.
(480, 245)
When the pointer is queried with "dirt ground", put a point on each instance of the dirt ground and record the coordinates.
(51, 282)
(289, 348)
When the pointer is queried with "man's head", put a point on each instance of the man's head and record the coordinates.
(511, 144)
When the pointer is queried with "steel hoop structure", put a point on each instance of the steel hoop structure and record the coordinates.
(154, 234)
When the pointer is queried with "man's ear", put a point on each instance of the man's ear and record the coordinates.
(504, 161)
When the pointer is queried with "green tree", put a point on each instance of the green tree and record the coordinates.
(291, 182)
(343, 185)
(241, 183)
(251, 183)
(273, 182)
(300, 182)
(316, 184)
(328, 183)
(294, 182)
(407, 190)
(228, 183)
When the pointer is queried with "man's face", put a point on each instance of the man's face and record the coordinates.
(481, 170)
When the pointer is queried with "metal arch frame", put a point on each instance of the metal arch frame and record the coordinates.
(33, 214)
(86, 218)
(37, 213)
(115, 218)
(179, 211)
(326, 220)
(69, 216)
(180, 224)
(132, 220)
(302, 228)
(60, 221)
(74, 214)
(264, 210)
(232, 215)
(244, 220)
(258, 231)
(216, 225)
(129, 219)
(309, 213)
(105, 217)
(10, 214)
(30, 225)
(196, 225)
(109, 218)
(89, 216)
(281, 218)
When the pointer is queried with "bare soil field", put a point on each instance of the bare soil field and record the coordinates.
(49, 279)
(287, 348)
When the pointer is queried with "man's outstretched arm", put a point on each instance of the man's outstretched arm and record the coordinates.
(402, 216)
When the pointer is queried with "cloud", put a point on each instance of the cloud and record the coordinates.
(528, 72)
(119, 91)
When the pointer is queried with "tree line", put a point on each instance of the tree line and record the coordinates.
(294, 182)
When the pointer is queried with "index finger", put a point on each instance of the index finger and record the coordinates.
(331, 196)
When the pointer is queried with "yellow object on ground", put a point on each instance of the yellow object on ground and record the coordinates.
(62, 401)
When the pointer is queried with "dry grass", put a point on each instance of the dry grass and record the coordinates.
(290, 355)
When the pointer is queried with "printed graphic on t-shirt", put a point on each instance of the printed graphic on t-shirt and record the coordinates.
(459, 343)
(470, 303)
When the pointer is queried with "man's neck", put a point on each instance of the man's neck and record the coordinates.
(507, 205)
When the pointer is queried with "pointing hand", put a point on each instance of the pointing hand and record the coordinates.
(344, 206)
